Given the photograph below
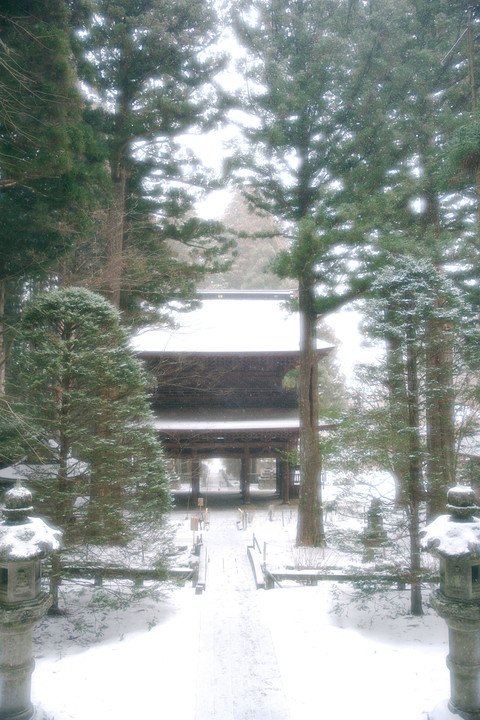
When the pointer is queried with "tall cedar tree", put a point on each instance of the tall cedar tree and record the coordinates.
(48, 159)
(386, 426)
(147, 68)
(79, 391)
(405, 308)
(422, 97)
(308, 66)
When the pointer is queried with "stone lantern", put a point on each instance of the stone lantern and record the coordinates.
(24, 542)
(455, 540)
(374, 534)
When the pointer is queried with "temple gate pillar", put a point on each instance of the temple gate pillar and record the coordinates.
(278, 477)
(284, 468)
(245, 474)
(195, 477)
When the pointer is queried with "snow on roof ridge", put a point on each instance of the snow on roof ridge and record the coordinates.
(247, 294)
(226, 323)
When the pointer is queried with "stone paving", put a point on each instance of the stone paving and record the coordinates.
(238, 675)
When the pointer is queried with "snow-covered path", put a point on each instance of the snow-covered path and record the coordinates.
(238, 675)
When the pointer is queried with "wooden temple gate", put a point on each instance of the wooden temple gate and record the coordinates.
(219, 383)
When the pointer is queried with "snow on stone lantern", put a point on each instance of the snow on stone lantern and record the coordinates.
(24, 542)
(455, 540)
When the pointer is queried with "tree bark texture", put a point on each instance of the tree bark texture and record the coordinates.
(439, 415)
(415, 490)
(114, 247)
(116, 215)
(397, 410)
(404, 405)
(3, 353)
(310, 529)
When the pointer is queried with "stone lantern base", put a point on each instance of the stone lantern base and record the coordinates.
(463, 661)
(443, 712)
(16, 656)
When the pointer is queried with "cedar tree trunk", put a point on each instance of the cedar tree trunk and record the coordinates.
(310, 530)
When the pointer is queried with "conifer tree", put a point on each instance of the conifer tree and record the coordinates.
(388, 426)
(308, 70)
(50, 167)
(423, 96)
(406, 307)
(79, 392)
(148, 70)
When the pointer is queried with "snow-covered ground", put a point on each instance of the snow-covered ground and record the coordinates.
(234, 652)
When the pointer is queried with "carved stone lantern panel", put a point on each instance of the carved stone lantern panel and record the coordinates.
(20, 581)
